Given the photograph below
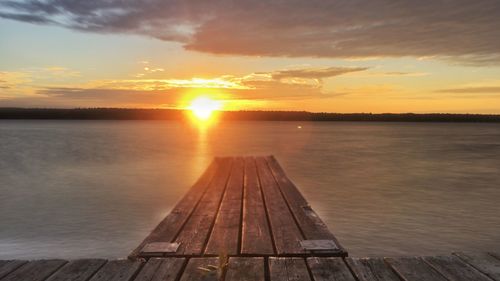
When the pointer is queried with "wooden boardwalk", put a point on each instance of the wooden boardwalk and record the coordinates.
(242, 207)
(458, 267)
(245, 220)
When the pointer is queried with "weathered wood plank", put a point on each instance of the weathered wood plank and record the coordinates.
(285, 231)
(8, 266)
(288, 269)
(194, 234)
(483, 262)
(414, 269)
(495, 255)
(77, 270)
(256, 238)
(309, 222)
(454, 269)
(117, 270)
(327, 269)
(171, 225)
(202, 269)
(37, 270)
(226, 231)
(371, 269)
(245, 269)
(161, 269)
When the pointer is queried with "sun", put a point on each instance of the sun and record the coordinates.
(203, 107)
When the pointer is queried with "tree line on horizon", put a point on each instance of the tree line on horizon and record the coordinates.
(176, 114)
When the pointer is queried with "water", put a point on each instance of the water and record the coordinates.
(71, 189)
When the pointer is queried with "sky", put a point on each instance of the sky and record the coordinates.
(314, 55)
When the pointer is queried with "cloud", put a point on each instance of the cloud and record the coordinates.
(297, 83)
(472, 90)
(315, 73)
(461, 31)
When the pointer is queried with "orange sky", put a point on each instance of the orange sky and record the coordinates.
(333, 56)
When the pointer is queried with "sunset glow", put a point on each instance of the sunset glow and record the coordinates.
(331, 58)
(203, 107)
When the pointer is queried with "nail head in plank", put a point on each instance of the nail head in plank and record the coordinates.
(161, 269)
(327, 269)
(77, 270)
(8, 266)
(414, 268)
(225, 233)
(371, 269)
(245, 268)
(288, 269)
(202, 269)
(37, 270)
(117, 270)
(168, 228)
(256, 237)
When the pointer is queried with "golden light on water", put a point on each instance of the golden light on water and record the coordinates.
(202, 108)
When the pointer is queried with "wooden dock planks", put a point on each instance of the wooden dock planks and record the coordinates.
(244, 220)
(194, 235)
(34, 270)
(242, 206)
(243, 268)
(256, 236)
(449, 268)
(454, 269)
(224, 239)
(78, 270)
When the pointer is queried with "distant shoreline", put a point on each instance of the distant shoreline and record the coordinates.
(174, 114)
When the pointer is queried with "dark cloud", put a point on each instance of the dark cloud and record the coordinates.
(464, 31)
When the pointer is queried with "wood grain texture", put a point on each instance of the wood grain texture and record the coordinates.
(288, 269)
(161, 269)
(117, 270)
(171, 225)
(285, 232)
(256, 237)
(414, 269)
(38, 270)
(454, 269)
(226, 231)
(483, 262)
(78, 270)
(7, 266)
(371, 269)
(202, 269)
(329, 269)
(245, 269)
(194, 234)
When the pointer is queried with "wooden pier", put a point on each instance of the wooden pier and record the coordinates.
(245, 220)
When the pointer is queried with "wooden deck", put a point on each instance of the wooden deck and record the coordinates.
(242, 207)
(245, 220)
(457, 267)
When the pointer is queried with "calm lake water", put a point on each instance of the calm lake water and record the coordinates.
(73, 189)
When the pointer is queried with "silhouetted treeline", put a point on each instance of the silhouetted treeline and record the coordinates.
(173, 114)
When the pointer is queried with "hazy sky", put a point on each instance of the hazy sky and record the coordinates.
(315, 55)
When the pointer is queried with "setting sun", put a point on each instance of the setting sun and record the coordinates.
(203, 107)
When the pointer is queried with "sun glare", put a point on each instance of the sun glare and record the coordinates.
(203, 107)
